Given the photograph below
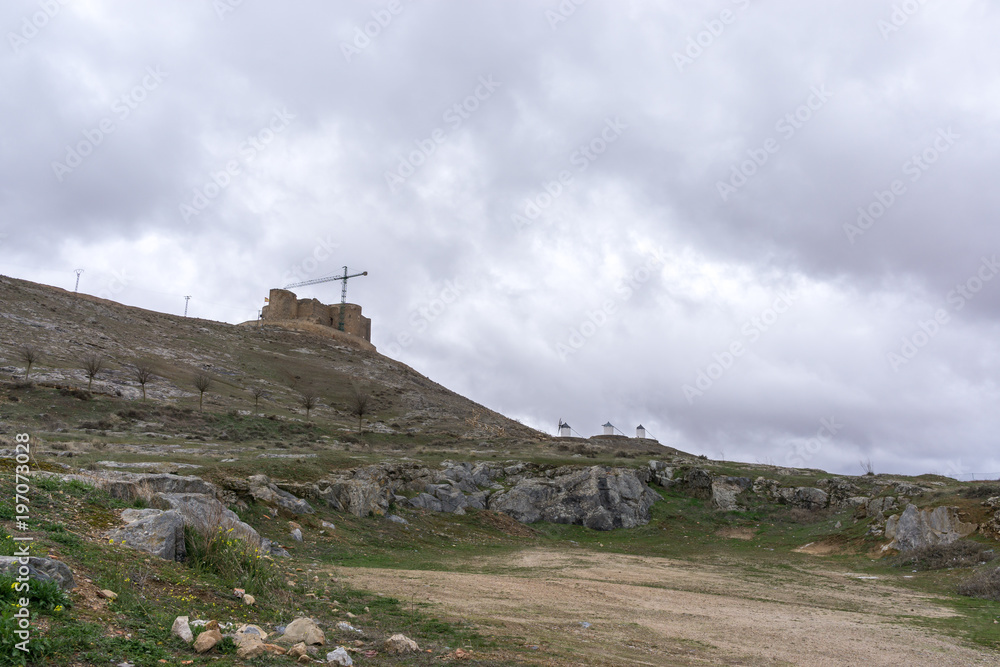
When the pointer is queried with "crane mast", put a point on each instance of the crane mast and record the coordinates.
(343, 289)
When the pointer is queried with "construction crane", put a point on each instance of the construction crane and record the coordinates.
(343, 290)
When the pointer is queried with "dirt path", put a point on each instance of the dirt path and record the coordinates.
(655, 611)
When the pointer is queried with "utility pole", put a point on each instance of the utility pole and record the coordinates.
(186, 299)
(77, 288)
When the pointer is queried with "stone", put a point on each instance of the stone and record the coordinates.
(206, 514)
(275, 649)
(367, 491)
(108, 595)
(249, 600)
(726, 489)
(810, 498)
(207, 640)
(182, 630)
(915, 529)
(399, 644)
(40, 569)
(327, 524)
(304, 660)
(249, 632)
(395, 518)
(339, 657)
(264, 490)
(156, 532)
(304, 630)
(250, 649)
(661, 473)
(298, 650)
(597, 497)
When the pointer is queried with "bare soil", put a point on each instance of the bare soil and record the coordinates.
(657, 611)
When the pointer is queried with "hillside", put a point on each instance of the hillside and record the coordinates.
(481, 540)
(65, 328)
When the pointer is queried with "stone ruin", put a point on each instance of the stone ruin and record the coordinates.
(283, 306)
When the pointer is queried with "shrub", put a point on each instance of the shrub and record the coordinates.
(45, 595)
(981, 491)
(984, 584)
(235, 561)
(963, 553)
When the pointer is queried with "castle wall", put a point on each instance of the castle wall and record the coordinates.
(283, 305)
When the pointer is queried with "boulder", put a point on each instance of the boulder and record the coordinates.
(810, 498)
(262, 489)
(40, 569)
(696, 483)
(726, 489)
(206, 514)
(182, 630)
(400, 644)
(156, 532)
(877, 507)
(304, 630)
(597, 497)
(915, 529)
(661, 473)
(339, 656)
(359, 496)
(207, 640)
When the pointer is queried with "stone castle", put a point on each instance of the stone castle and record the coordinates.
(284, 306)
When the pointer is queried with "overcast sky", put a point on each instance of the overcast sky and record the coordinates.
(765, 230)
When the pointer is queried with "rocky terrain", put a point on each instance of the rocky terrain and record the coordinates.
(269, 532)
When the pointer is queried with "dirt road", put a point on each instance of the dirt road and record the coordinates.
(655, 611)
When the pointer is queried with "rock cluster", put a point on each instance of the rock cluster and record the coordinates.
(915, 529)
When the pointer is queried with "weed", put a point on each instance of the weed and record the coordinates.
(984, 584)
(238, 563)
(981, 491)
(963, 553)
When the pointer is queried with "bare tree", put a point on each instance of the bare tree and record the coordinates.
(92, 364)
(359, 402)
(142, 372)
(867, 466)
(308, 399)
(29, 355)
(256, 391)
(202, 381)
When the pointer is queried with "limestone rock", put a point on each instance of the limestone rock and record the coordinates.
(304, 630)
(399, 644)
(206, 514)
(914, 528)
(249, 600)
(262, 489)
(726, 489)
(253, 648)
(296, 534)
(40, 569)
(298, 650)
(207, 640)
(182, 630)
(810, 498)
(597, 497)
(661, 473)
(155, 532)
(339, 657)
(360, 497)
(108, 595)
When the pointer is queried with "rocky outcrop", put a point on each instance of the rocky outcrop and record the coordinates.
(915, 529)
(206, 514)
(39, 569)
(153, 531)
(261, 489)
(597, 497)
(726, 490)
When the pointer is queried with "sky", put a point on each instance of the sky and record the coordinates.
(764, 230)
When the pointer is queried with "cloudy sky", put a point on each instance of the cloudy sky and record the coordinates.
(765, 230)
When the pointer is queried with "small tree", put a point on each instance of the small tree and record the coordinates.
(308, 400)
(29, 355)
(202, 382)
(256, 391)
(867, 466)
(92, 364)
(359, 402)
(142, 372)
